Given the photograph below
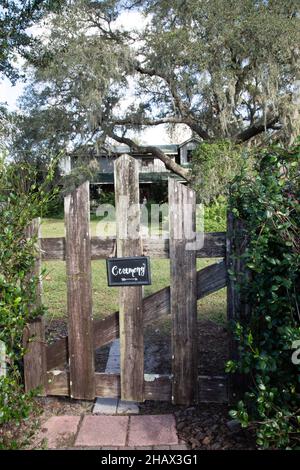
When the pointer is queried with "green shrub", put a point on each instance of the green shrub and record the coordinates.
(55, 207)
(21, 200)
(268, 202)
(215, 215)
(214, 166)
(107, 197)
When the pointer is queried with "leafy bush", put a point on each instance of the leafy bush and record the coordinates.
(107, 197)
(55, 207)
(21, 200)
(215, 215)
(214, 166)
(268, 202)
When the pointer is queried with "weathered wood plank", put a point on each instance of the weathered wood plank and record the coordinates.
(107, 385)
(126, 174)
(35, 365)
(102, 248)
(237, 308)
(58, 383)
(53, 248)
(79, 293)
(106, 330)
(209, 279)
(183, 292)
(158, 387)
(213, 389)
(232, 264)
(156, 305)
(236, 244)
(156, 247)
(231, 299)
(57, 353)
(213, 245)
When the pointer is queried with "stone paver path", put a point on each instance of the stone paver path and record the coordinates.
(152, 430)
(114, 406)
(111, 432)
(59, 431)
(102, 431)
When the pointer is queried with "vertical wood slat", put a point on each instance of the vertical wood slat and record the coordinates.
(130, 298)
(238, 309)
(79, 293)
(232, 303)
(183, 291)
(35, 367)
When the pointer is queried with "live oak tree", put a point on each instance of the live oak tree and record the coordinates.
(15, 41)
(226, 69)
(15, 19)
(76, 70)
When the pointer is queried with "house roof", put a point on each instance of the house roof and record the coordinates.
(166, 148)
(191, 139)
(169, 149)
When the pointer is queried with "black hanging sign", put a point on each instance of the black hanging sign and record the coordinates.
(131, 271)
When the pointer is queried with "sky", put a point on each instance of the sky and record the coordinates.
(9, 94)
(153, 135)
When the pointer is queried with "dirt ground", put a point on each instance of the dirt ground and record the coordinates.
(213, 347)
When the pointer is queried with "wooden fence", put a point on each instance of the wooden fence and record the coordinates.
(66, 367)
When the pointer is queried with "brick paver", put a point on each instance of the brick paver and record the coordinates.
(59, 431)
(102, 431)
(144, 432)
(152, 430)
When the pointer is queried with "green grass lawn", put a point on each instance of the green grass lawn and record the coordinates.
(105, 299)
(56, 228)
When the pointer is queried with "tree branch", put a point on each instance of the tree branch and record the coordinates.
(136, 121)
(255, 129)
(155, 151)
(185, 112)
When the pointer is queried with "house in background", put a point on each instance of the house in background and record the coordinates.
(185, 150)
(152, 170)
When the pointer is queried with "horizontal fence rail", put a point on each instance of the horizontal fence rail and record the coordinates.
(212, 389)
(214, 246)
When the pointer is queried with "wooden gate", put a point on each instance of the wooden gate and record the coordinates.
(66, 367)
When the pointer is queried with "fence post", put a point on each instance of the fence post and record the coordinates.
(79, 293)
(35, 368)
(130, 298)
(183, 291)
(238, 309)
